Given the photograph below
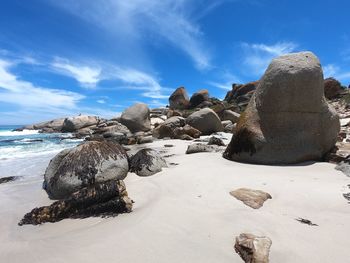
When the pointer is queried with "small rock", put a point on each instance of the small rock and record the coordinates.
(216, 141)
(8, 179)
(253, 249)
(305, 221)
(199, 147)
(146, 162)
(253, 198)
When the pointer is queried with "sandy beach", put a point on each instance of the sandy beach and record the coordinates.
(186, 214)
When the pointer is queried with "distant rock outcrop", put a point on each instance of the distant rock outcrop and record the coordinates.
(88, 163)
(179, 100)
(73, 124)
(137, 118)
(332, 88)
(198, 98)
(287, 120)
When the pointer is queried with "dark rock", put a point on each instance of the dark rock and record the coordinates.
(89, 163)
(305, 221)
(216, 141)
(146, 162)
(179, 99)
(8, 179)
(332, 88)
(199, 97)
(199, 147)
(102, 199)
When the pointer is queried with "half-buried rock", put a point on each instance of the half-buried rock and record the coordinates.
(253, 198)
(101, 199)
(288, 119)
(147, 162)
(253, 249)
(88, 163)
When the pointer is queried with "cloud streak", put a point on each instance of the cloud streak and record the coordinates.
(138, 20)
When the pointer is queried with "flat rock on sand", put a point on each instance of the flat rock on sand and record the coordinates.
(253, 198)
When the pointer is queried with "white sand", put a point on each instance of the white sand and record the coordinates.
(186, 214)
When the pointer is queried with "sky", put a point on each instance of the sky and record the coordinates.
(63, 58)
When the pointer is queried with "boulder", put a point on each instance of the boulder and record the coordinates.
(179, 99)
(253, 249)
(137, 118)
(199, 97)
(101, 199)
(216, 141)
(288, 119)
(166, 129)
(88, 163)
(147, 162)
(73, 124)
(206, 121)
(229, 115)
(113, 127)
(252, 198)
(332, 88)
(239, 90)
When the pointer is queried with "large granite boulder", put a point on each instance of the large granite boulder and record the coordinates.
(206, 121)
(199, 97)
(179, 100)
(288, 119)
(167, 128)
(332, 88)
(137, 118)
(73, 124)
(89, 163)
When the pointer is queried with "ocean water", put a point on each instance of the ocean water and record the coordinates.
(28, 152)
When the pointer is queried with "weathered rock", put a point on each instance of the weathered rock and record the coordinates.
(172, 113)
(206, 121)
(241, 94)
(287, 119)
(199, 97)
(230, 115)
(166, 129)
(216, 141)
(186, 130)
(253, 198)
(144, 139)
(200, 147)
(111, 128)
(137, 118)
(332, 88)
(73, 124)
(147, 162)
(344, 167)
(101, 199)
(179, 99)
(89, 163)
(8, 179)
(253, 249)
(48, 126)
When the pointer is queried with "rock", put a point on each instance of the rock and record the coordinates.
(186, 130)
(305, 221)
(111, 128)
(231, 116)
(172, 113)
(332, 88)
(253, 198)
(200, 147)
(288, 119)
(241, 93)
(199, 97)
(166, 129)
(73, 124)
(253, 249)
(144, 139)
(102, 199)
(216, 141)
(8, 179)
(48, 126)
(206, 121)
(185, 137)
(117, 137)
(179, 99)
(344, 167)
(137, 118)
(146, 162)
(226, 123)
(89, 163)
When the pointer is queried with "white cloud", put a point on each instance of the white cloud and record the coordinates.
(25, 94)
(227, 79)
(85, 75)
(101, 101)
(134, 21)
(258, 56)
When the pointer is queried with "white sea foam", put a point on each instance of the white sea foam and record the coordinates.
(18, 133)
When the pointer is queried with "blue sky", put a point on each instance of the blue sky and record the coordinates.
(60, 58)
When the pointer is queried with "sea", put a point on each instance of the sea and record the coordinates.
(27, 153)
